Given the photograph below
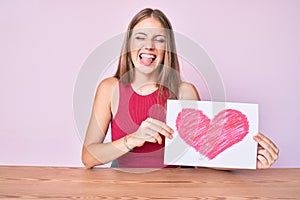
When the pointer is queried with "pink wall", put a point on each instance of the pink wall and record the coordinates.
(254, 45)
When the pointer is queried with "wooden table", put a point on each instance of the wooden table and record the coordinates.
(180, 183)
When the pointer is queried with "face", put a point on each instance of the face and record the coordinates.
(148, 43)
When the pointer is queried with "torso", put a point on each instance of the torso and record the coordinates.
(125, 121)
(132, 109)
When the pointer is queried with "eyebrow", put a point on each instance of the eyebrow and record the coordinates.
(137, 33)
(140, 33)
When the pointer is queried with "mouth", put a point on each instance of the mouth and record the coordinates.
(147, 58)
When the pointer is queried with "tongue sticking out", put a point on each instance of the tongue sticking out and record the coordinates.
(146, 61)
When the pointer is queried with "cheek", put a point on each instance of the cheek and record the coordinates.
(161, 55)
(134, 45)
(134, 57)
(133, 50)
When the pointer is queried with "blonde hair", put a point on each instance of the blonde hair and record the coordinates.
(169, 76)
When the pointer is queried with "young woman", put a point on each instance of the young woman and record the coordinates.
(134, 100)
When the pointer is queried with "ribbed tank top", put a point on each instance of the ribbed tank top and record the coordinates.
(132, 110)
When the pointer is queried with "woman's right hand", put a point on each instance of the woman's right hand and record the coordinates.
(150, 130)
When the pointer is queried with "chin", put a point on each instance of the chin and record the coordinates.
(147, 69)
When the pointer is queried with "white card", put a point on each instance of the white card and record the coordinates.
(212, 134)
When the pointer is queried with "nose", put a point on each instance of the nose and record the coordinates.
(149, 44)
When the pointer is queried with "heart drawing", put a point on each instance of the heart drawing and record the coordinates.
(211, 137)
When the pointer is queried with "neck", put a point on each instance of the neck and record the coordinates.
(141, 79)
(145, 83)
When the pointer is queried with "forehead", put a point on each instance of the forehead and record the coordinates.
(149, 24)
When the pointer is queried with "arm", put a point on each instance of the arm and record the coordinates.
(94, 151)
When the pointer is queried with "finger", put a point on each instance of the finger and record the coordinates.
(267, 156)
(259, 164)
(262, 162)
(161, 128)
(265, 143)
(161, 124)
(157, 138)
(151, 139)
(154, 139)
(267, 140)
(152, 134)
(259, 147)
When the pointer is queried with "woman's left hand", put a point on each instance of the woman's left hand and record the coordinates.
(267, 152)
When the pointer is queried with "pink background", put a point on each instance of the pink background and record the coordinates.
(254, 44)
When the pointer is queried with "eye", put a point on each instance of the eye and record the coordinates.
(160, 39)
(140, 38)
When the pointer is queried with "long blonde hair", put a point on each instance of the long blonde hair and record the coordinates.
(169, 76)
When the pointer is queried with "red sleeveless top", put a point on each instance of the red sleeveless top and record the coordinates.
(133, 109)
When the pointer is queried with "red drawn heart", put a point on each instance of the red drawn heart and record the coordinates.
(211, 137)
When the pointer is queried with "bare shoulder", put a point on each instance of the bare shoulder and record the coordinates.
(187, 91)
(107, 86)
(107, 95)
